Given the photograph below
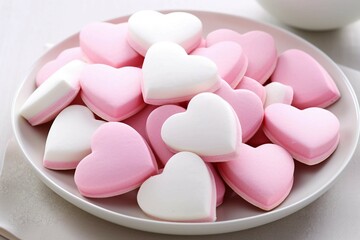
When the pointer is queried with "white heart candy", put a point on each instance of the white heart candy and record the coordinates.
(69, 138)
(185, 191)
(148, 27)
(170, 75)
(278, 93)
(56, 93)
(209, 128)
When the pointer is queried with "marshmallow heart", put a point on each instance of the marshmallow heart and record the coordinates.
(312, 85)
(171, 76)
(262, 176)
(113, 94)
(209, 128)
(254, 86)
(247, 106)
(278, 93)
(229, 59)
(184, 191)
(106, 43)
(258, 46)
(120, 161)
(54, 94)
(148, 27)
(138, 121)
(68, 141)
(153, 128)
(64, 57)
(310, 135)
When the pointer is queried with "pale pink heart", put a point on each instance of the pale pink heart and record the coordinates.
(258, 46)
(138, 120)
(113, 94)
(219, 184)
(254, 86)
(247, 106)
(310, 135)
(153, 128)
(229, 58)
(106, 43)
(64, 57)
(312, 84)
(262, 176)
(120, 161)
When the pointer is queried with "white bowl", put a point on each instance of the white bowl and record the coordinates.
(314, 14)
(234, 214)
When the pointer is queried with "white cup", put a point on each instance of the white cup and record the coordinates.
(314, 14)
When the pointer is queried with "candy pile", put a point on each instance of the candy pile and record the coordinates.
(177, 113)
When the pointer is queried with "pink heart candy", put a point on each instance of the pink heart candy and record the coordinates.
(310, 135)
(258, 46)
(153, 128)
(138, 120)
(113, 94)
(254, 86)
(106, 43)
(120, 161)
(229, 58)
(263, 176)
(312, 85)
(248, 107)
(64, 57)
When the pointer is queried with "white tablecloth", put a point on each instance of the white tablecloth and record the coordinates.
(32, 211)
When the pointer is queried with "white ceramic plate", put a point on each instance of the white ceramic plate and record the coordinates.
(234, 214)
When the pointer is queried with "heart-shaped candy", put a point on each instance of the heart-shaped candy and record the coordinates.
(148, 27)
(248, 107)
(153, 128)
(258, 46)
(310, 135)
(138, 121)
(120, 161)
(64, 57)
(209, 128)
(262, 176)
(229, 59)
(312, 85)
(278, 93)
(68, 140)
(184, 191)
(171, 76)
(56, 93)
(254, 86)
(106, 43)
(113, 94)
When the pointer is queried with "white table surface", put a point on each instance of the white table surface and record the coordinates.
(33, 211)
